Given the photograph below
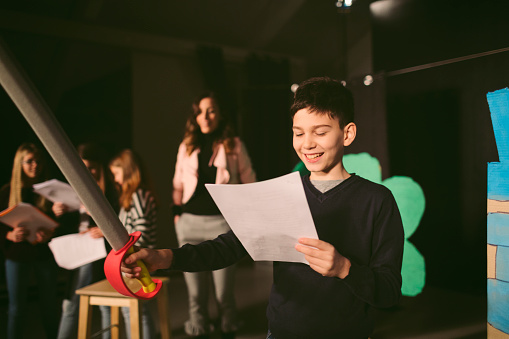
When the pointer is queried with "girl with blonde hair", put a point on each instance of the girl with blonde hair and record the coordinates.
(21, 257)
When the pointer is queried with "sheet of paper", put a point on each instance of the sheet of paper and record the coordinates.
(58, 191)
(268, 217)
(29, 217)
(75, 250)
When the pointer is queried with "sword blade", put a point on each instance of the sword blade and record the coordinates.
(39, 116)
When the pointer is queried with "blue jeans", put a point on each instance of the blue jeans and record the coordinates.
(18, 276)
(82, 276)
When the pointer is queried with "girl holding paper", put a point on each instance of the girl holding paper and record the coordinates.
(95, 160)
(209, 153)
(22, 257)
(137, 213)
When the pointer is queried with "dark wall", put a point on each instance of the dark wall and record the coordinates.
(408, 33)
(90, 99)
(99, 111)
(15, 131)
(439, 125)
(265, 120)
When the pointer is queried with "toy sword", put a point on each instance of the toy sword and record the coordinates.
(38, 114)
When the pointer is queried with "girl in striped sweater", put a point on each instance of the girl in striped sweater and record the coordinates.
(137, 213)
(137, 203)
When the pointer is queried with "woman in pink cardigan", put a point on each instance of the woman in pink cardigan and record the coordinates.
(209, 153)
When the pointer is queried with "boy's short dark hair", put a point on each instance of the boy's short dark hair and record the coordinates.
(323, 95)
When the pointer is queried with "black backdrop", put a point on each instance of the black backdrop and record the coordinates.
(439, 126)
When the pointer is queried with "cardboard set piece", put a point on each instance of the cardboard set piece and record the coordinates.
(498, 219)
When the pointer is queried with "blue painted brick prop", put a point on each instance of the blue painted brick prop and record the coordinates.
(498, 223)
(503, 264)
(498, 303)
(498, 229)
(498, 172)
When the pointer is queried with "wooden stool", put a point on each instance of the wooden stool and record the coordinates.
(101, 293)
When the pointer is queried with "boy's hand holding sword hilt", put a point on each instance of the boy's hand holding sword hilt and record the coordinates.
(153, 260)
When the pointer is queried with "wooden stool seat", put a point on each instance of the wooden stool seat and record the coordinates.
(102, 294)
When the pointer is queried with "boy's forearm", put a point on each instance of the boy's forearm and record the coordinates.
(345, 268)
(209, 255)
(163, 259)
(379, 284)
(378, 287)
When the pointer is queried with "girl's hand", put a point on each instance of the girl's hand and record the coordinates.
(83, 209)
(43, 235)
(18, 234)
(176, 220)
(59, 208)
(324, 258)
(95, 232)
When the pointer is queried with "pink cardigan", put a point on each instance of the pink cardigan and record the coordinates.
(232, 168)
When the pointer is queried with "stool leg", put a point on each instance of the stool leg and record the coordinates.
(135, 318)
(85, 321)
(115, 322)
(164, 315)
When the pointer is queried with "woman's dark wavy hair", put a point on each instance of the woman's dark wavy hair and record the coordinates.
(224, 133)
(323, 95)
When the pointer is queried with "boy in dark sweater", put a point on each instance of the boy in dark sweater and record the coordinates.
(356, 264)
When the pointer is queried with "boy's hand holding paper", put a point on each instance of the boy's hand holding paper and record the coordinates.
(268, 217)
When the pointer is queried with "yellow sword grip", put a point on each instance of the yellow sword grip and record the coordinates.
(146, 281)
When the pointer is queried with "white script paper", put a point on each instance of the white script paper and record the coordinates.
(268, 217)
(75, 250)
(58, 191)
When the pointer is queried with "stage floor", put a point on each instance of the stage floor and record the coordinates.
(435, 313)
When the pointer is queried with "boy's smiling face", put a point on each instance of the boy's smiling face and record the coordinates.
(319, 142)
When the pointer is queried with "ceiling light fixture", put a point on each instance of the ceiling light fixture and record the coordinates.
(344, 5)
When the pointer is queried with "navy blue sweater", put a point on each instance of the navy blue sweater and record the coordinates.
(362, 221)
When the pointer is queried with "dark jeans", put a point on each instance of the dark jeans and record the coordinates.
(18, 277)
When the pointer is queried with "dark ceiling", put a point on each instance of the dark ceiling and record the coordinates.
(295, 27)
(415, 31)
